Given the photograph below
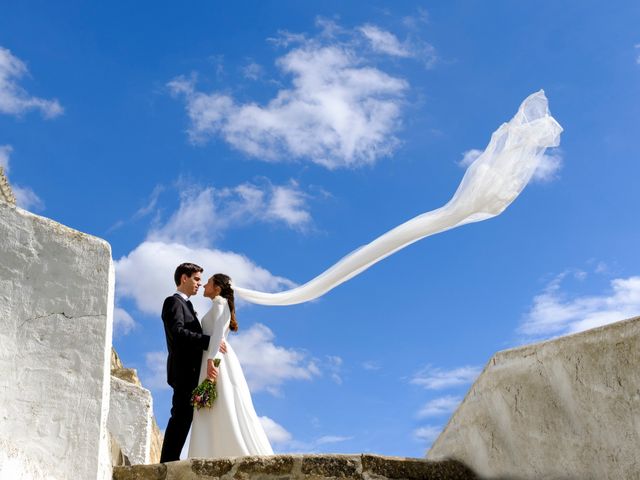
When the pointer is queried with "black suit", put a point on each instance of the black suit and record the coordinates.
(185, 342)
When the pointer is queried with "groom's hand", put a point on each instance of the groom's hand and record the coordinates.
(212, 371)
(223, 347)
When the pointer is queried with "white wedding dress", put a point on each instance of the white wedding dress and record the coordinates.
(231, 427)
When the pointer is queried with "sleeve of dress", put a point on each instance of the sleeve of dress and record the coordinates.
(218, 331)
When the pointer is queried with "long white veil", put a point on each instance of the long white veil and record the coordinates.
(489, 185)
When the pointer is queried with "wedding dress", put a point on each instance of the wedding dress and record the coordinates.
(231, 426)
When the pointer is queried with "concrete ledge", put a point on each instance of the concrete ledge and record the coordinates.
(567, 408)
(294, 467)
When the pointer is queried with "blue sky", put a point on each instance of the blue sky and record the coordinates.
(269, 139)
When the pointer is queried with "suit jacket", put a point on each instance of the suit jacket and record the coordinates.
(185, 342)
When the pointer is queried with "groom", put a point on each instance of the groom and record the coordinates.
(185, 342)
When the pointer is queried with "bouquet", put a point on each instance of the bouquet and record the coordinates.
(205, 394)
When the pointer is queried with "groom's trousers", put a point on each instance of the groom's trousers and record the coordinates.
(178, 427)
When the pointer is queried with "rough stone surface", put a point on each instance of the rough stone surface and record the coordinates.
(6, 194)
(141, 472)
(116, 363)
(568, 408)
(118, 458)
(131, 418)
(129, 375)
(130, 412)
(335, 466)
(300, 467)
(415, 469)
(118, 370)
(156, 442)
(276, 465)
(56, 314)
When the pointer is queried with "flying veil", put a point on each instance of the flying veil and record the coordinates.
(488, 187)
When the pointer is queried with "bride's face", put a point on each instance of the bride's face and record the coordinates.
(211, 290)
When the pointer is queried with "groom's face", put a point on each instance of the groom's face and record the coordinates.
(192, 284)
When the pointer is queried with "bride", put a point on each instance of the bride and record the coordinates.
(231, 426)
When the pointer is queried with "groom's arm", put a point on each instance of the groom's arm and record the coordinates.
(173, 318)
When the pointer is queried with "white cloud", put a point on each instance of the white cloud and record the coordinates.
(285, 38)
(155, 375)
(333, 365)
(276, 433)
(28, 199)
(267, 366)
(194, 223)
(151, 204)
(436, 378)
(549, 166)
(427, 433)
(146, 274)
(547, 170)
(14, 100)
(384, 42)
(555, 313)
(469, 157)
(371, 365)
(331, 439)
(204, 214)
(252, 71)
(123, 323)
(439, 406)
(338, 112)
(288, 203)
(421, 17)
(280, 438)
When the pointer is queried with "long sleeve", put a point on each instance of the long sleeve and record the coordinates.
(219, 310)
(173, 318)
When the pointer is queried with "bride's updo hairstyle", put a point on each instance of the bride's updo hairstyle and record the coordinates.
(224, 282)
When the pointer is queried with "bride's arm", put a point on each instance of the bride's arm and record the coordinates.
(218, 331)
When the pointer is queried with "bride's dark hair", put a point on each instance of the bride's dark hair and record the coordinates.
(224, 282)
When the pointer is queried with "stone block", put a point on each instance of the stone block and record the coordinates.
(272, 465)
(331, 466)
(566, 408)
(141, 472)
(414, 469)
(56, 315)
(130, 419)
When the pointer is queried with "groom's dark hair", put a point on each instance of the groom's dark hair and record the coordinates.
(187, 269)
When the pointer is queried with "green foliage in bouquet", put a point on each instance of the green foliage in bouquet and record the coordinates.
(205, 394)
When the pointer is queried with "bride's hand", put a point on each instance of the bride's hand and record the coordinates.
(212, 371)
(223, 347)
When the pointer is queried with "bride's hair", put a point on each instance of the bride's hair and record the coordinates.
(224, 282)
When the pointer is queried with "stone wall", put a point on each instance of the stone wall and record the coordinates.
(56, 314)
(300, 467)
(567, 408)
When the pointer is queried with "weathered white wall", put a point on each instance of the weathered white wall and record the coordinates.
(130, 419)
(56, 314)
(567, 408)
